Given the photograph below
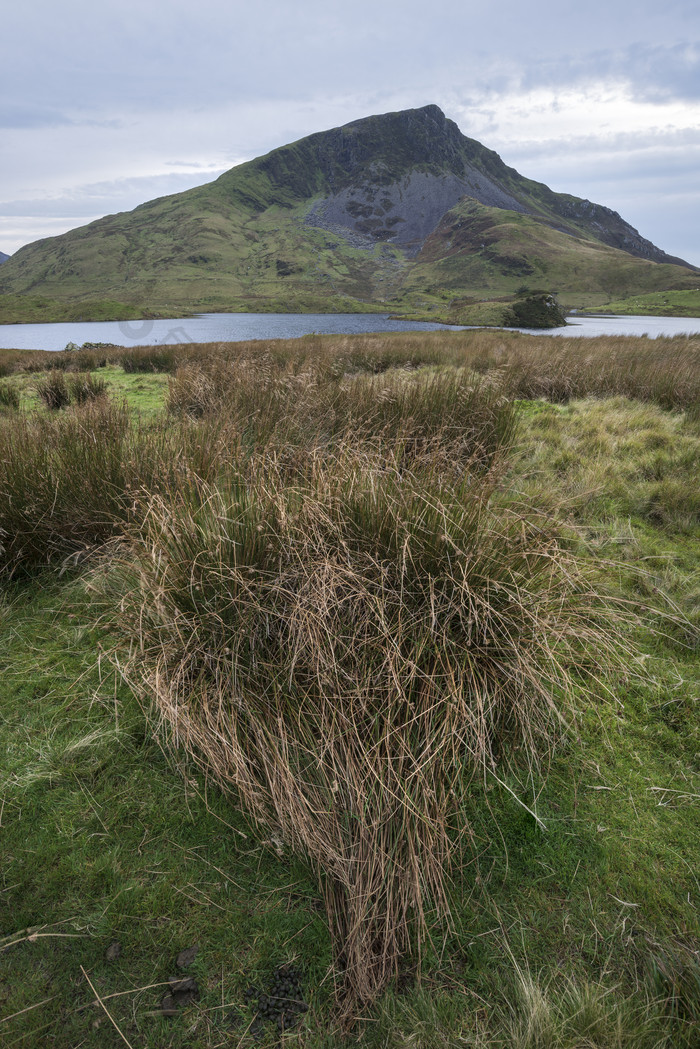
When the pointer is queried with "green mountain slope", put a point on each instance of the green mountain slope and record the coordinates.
(395, 211)
(493, 251)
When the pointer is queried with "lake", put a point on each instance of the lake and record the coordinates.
(240, 327)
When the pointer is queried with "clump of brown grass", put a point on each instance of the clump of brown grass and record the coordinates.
(9, 396)
(56, 390)
(69, 480)
(311, 402)
(344, 653)
(147, 359)
(664, 371)
(53, 391)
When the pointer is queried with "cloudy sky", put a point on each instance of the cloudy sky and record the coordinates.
(106, 105)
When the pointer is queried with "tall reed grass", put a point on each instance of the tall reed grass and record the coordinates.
(665, 370)
(57, 390)
(344, 653)
(311, 402)
(70, 481)
(148, 359)
(9, 396)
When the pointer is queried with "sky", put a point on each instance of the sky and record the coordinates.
(106, 105)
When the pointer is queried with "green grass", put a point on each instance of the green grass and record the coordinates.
(103, 841)
(671, 303)
(145, 394)
(480, 254)
(104, 836)
(35, 309)
(584, 932)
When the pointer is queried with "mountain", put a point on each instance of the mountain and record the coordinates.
(398, 211)
(3, 257)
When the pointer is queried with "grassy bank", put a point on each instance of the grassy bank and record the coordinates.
(38, 309)
(674, 303)
(311, 546)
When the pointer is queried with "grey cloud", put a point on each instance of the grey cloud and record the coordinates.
(614, 174)
(125, 56)
(190, 165)
(629, 156)
(657, 138)
(30, 116)
(35, 117)
(663, 73)
(657, 73)
(106, 197)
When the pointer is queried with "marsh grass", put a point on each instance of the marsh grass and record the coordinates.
(148, 359)
(83, 387)
(70, 480)
(312, 403)
(86, 360)
(57, 390)
(344, 653)
(615, 458)
(9, 396)
(665, 370)
(52, 391)
(324, 590)
(542, 1013)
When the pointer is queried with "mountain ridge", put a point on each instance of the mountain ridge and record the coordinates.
(364, 216)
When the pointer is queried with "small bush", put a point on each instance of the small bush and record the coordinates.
(537, 310)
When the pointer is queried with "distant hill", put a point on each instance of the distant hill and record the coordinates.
(400, 212)
(3, 257)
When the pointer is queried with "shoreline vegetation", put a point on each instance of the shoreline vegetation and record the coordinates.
(522, 310)
(351, 693)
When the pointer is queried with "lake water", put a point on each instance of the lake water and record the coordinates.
(240, 327)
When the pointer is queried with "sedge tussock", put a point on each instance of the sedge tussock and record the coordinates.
(68, 480)
(344, 651)
(315, 402)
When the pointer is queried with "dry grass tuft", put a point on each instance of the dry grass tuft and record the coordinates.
(313, 402)
(344, 653)
(69, 479)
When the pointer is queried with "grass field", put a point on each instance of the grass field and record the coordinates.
(365, 664)
(672, 303)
